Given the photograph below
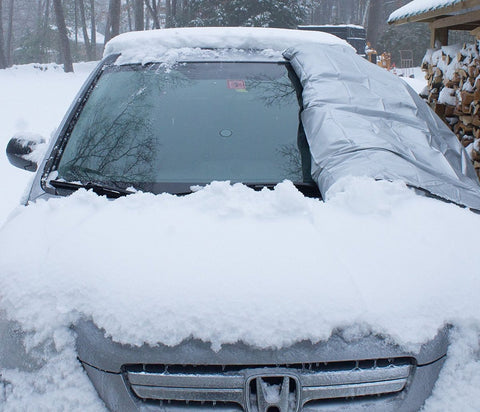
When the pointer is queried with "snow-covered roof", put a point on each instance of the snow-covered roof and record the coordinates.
(152, 45)
(416, 7)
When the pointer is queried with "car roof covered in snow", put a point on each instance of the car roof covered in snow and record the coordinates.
(154, 45)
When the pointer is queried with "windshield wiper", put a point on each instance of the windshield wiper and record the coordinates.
(99, 189)
(308, 189)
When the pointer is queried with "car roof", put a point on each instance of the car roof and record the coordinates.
(167, 44)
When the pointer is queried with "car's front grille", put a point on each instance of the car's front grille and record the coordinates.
(238, 385)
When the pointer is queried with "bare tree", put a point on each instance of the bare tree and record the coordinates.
(93, 30)
(376, 21)
(63, 36)
(113, 20)
(8, 45)
(173, 13)
(138, 15)
(365, 13)
(3, 61)
(43, 25)
(129, 15)
(83, 21)
(153, 11)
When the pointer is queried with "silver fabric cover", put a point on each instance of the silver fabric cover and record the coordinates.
(361, 120)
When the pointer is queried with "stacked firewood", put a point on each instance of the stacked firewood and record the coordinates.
(453, 91)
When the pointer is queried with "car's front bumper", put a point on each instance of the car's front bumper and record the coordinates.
(337, 375)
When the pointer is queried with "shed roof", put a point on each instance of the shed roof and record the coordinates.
(429, 10)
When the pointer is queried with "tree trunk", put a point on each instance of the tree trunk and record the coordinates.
(152, 9)
(113, 20)
(174, 13)
(76, 24)
(115, 11)
(375, 21)
(365, 14)
(129, 15)
(43, 26)
(138, 15)
(8, 46)
(168, 9)
(63, 36)
(3, 61)
(83, 20)
(93, 30)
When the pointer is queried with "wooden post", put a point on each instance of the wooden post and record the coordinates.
(476, 33)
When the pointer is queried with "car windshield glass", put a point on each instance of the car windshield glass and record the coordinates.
(153, 127)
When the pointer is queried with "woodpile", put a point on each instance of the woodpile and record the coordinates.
(453, 92)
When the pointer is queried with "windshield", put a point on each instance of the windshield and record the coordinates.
(155, 127)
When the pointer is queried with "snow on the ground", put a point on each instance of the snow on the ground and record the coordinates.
(225, 264)
(414, 77)
(33, 98)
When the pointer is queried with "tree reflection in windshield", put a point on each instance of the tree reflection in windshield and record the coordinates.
(274, 91)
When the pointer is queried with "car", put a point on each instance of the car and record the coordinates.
(172, 110)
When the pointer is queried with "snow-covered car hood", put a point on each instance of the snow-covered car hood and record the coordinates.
(360, 120)
(229, 264)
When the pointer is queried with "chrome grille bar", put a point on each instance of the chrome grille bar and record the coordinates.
(355, 376)
(189, 394)
(178, 380)
(150, 382)
(346, 391)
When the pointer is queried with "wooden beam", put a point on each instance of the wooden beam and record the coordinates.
(465, 27)
(476, 32)
(433, 14)
(456, 20)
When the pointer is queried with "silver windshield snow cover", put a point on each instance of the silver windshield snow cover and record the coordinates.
(361, 120)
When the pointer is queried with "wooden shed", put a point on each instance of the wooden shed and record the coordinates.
(452, 72)
(442, 16)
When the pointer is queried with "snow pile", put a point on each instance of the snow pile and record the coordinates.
(447, 96)
(148, 46)
(419, 6)
(458, 387)
(59, 385)
(229, 264)
(414, 77)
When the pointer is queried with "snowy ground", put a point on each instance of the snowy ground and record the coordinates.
(33, 98)
(383, 228)
(414, 77)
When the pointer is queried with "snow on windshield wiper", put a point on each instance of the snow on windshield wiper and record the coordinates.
(99, 189)
(308, 189)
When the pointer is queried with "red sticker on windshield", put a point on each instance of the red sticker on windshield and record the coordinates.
(236, 84)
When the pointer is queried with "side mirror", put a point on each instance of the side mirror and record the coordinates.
(26, 151)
